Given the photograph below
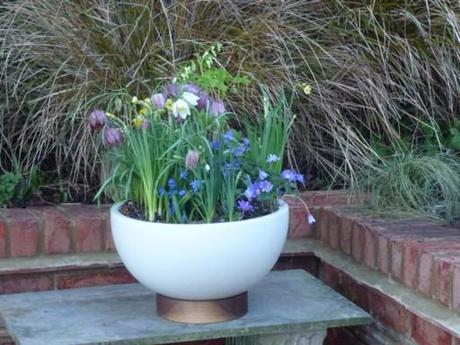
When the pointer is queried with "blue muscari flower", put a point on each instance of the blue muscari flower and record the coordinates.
(239, 150)
(246, 142)
(161, 191)
(228, 136)
(182, 192)
(184, 175)
(262, 175)
(215, 144)
(245, 206)
(288, 175)
(253, 191)
(271, 158)
(195, 185)
(172, 185)
(292, 176)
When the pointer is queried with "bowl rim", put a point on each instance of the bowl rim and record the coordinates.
(115, 211)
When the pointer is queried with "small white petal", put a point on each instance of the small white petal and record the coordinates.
(311, 219)
(207, 167)
(190, 98)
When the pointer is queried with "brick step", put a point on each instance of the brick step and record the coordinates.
(422, 254)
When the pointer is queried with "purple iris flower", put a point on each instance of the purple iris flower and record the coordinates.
(113, 136)
(158, 100)
(217, 107)
(97, 119)
(245, 206)
(196, 185)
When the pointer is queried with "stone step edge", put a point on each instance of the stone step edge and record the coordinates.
(65, 262)
(416, 303)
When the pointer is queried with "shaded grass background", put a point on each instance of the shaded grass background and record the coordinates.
(379, 70)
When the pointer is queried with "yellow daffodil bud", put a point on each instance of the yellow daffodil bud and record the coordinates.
(138, 121)
(169, 104)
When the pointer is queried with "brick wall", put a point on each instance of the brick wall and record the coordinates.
(422, 255)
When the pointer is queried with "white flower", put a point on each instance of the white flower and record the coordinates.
(207, 167)
(190, 98)
(180, 109)
(310, 218)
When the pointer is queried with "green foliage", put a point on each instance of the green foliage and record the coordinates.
(415, 183)
(377, 69)
(214, 80)
(8, 183)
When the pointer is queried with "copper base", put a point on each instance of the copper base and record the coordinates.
(208, 311)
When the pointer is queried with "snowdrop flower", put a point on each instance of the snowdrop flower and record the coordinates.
(190, 98)
(207, 167)
(180, 109)
(310, 218)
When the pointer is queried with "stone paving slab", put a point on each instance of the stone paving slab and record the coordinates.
(284, 301)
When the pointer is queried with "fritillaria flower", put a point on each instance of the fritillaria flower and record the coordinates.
(113, 136)
(191, 159)
(217, 107)
(97, 119)
(158, 100)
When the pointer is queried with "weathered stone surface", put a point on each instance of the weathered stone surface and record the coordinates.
(293, 338)
(283, 302)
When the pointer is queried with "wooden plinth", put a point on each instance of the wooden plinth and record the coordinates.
(208, 311)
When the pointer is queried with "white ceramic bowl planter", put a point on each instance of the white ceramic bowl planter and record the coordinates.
(200, 261)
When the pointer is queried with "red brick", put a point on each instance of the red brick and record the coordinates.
(56, 226)
(354, 291)
(396, 250)
(456, 288)
(425, 278)
(16, 284)
(3, 248)
(298, 225)
(87, 222)
(357, 241)
(425, 333)
(24, 232)
(383, 260)
(333, 225)
(345, 234)
(443, 281)
(323, 224)
(370, 246)
(389, 311)
(69, 281)
(331, 276)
